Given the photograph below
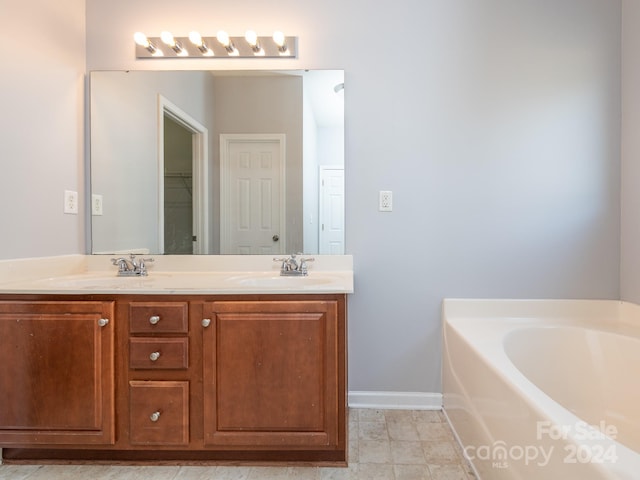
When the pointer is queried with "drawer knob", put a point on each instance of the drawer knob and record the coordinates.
(154, 417)
(154, 319)
(154, 356)
(206, 322)
(103, 322)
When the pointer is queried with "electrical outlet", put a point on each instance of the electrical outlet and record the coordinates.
(385, 203)
(71, 202)
(96, 204)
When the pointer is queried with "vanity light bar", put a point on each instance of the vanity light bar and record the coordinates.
(221, 46)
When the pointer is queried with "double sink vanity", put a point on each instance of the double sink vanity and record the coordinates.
(205, 359)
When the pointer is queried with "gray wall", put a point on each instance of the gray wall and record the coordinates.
(269, 104)
(124, 150)
(310, 174)
(496, 125)
(630, 238)
(41, 134)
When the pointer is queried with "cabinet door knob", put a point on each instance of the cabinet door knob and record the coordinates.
(154, 356)
(103, 322)
(154, 319)
(154, 417)
(206, 322)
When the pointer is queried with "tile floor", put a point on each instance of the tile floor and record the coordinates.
(383, 445)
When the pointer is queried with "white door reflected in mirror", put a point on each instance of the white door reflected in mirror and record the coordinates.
(252, 194)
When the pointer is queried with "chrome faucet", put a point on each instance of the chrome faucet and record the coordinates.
(132, 267)
(294, 265)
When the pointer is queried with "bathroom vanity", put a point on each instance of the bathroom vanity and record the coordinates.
(186, 366)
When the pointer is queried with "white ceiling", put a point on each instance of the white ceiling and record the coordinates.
(327, 104)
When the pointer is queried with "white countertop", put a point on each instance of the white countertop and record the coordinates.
(174, 274)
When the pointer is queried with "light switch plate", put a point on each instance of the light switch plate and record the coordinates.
(96, 204)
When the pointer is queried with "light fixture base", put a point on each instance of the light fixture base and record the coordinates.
(271, 50)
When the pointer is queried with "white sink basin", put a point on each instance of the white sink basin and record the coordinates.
(103, 281)
(275, 281)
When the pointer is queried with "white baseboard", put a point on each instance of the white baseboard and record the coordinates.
(396, 400)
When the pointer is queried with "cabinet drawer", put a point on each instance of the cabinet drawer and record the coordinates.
(159, 413)
(154, 353)
(159, 317)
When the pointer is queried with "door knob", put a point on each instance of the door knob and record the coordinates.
(276, 237)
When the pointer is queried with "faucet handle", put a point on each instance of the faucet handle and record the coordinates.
(142, 265)
(303, 263)
(283, 263)
(121, 262)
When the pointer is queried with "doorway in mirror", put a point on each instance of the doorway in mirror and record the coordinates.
(331, 211)
(178, 189)
(182, 159)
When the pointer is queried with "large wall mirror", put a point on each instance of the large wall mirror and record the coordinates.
(217, 162)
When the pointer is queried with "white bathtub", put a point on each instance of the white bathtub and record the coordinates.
(544, 389)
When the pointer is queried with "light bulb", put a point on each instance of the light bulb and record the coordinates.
(223, 38)
(279, 38)
(195, 38)
(141, 39)
(167, 38)
(251, 37)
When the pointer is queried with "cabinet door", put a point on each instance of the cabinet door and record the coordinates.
(271, 374)
(56, 373)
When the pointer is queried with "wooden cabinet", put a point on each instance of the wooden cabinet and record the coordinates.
(56, 373)
(195, 378)
(158, 351)
(271, 374)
